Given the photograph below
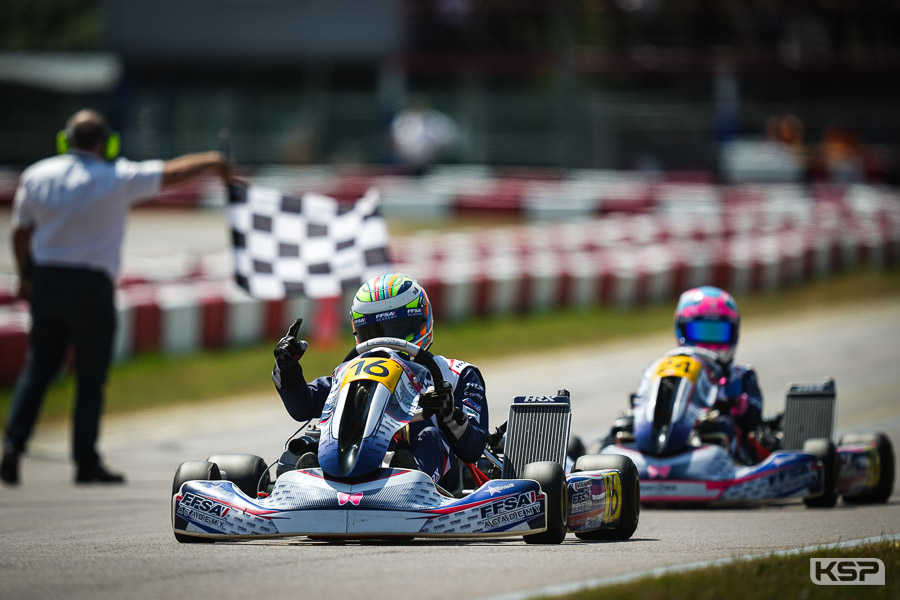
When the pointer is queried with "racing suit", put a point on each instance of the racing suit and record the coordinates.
(434, 447)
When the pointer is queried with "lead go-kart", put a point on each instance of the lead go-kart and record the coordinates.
(355, 493)
(673, 435)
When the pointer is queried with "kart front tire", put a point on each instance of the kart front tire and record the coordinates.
(886, 462)
(825, 451)
(192, 470)
(631, 494)
(248, 472)
(576, 448)
(552, 479)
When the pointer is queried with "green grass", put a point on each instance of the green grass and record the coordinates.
(156, 380)
(767, 577)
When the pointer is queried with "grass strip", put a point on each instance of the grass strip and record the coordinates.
(157, 380)
(774, 576)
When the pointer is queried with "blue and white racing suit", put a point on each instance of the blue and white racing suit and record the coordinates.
(433, 449)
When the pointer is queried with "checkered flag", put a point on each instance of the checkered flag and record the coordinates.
(312, 245)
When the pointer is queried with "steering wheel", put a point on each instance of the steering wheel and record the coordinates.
(419, 355)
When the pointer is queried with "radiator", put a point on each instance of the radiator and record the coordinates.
(809, 412)
(537, 430)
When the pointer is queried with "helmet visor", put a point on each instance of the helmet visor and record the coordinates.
(709, 332)
(402, 327)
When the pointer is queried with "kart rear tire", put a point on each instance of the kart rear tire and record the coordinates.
(631, 494)
(192, 470)
(825, 451)
(248, 472)
(885, 449)
(552, 479)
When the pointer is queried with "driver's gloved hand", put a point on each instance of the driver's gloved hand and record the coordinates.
(439, 402)
(288, 374)
(723, 402)
(731, 401)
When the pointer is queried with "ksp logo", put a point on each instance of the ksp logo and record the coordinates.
(846, 571)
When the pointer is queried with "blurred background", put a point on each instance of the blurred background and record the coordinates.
(607, 152)
(730, 90)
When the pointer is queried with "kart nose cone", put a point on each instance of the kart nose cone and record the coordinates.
(348, 459)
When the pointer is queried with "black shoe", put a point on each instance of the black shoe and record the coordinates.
(309, 460)
(9, 468)
(97, 474)
(403, 459)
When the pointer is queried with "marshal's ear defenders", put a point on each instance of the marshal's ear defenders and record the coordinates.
(110, 150)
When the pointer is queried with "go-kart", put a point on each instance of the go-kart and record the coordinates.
(673, 434)
(355, 493)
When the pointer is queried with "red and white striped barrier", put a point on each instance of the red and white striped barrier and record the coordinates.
(744, 239)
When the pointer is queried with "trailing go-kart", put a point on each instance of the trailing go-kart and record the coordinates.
(673, 436)
(355, 493)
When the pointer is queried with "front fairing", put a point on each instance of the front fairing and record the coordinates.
(673, 395)
(372, 397)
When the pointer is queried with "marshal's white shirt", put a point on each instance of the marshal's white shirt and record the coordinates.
(78, 205)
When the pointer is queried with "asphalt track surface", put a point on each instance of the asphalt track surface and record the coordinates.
(58, 540)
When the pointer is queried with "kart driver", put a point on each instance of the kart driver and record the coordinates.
(707, 317)
(455, 420)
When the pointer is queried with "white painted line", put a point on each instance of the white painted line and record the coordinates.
(578, 586)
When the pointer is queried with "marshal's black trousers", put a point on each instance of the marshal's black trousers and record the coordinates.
(69, 306)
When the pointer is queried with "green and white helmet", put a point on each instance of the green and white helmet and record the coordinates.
(393, 305)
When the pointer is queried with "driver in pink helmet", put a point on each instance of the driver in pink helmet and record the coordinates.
(707, 317)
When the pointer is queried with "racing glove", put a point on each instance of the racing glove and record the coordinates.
(288, 374)
(439, 403)
(730, 404)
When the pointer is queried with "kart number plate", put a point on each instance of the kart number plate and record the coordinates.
(382, 370)
(679, 366)
(613, 510)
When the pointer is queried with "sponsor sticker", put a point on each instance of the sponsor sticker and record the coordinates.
(472, 408)
(510, 509)
(457, 366)
(613, 509)
(846, 571)
(541, 400)
(200, 509)
(787, 480)
(496, 489)
(354, 499)
(581, 503)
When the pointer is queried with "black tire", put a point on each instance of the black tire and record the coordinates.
(248, 472)
(192, 470)
(886, 461)
(631, 494)
(825, 451)
(552, 479)
(576, 448)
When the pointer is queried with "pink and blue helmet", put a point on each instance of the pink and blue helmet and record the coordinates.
(708, 317)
